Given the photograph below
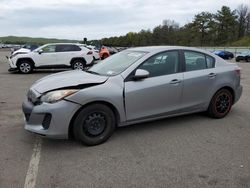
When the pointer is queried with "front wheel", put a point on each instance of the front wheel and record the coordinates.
(25, 67)
(220, 104)
(94, 124)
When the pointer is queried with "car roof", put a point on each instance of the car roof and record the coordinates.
(63, 44)
(155, 49)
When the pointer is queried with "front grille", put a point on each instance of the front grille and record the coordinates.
(46, 121)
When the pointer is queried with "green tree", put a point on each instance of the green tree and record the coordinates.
(203, 24)
(226, 25)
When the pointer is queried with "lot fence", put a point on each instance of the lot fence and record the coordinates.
(234, 50)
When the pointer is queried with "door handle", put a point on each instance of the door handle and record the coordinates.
(175, 81)
(212, 75)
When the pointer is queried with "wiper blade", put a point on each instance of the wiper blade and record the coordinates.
(92, 72)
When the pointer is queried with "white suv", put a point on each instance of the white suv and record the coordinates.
(57, 55)
(95, 51)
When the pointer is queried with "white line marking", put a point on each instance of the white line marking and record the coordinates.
(30, 180)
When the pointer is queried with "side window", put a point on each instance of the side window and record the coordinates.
(210, 62)
(63, 48)
(76, 48)
(49, 49)
(161, 64)
(67, 48)
(194, 61)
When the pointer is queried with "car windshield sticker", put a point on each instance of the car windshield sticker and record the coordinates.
(134, 54)
(110, 72)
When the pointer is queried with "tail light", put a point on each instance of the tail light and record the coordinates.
(89, 53)
(237, 71)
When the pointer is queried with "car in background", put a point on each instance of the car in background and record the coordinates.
(112, 50)
(133, 86)
(224, 54)
(57, 55)
(244, 56)
(94, 50)
(119, 49)
(29, 47)
(104, 52)
(24, 49)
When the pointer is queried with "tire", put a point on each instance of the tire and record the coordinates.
(78, 64)
(104, 56)
(220, 104)
(94, 124)
(248, 59)
(25, 67)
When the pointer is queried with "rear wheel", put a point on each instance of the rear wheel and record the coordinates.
(25, 67)
(94, 124)
(220, 104)
(78, 64)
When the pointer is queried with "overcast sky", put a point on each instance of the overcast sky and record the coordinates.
(95, 19)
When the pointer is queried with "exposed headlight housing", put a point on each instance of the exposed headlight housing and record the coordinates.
(13, 55)
(55, 96)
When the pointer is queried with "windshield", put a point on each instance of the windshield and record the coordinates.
(117, 63)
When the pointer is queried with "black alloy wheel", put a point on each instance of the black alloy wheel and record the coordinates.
(220, 104)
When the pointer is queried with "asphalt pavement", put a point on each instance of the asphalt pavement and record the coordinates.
(187, 151)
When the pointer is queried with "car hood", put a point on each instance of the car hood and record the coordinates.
(21, 50)
(68, 79)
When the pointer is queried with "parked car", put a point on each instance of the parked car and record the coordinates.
(24, 49)
(112, 50)
(58, 55)
(104, 52)
(30, 47)
(224, 54)
(15, 48)
(93, 49)
(132, 86)
(244, 56)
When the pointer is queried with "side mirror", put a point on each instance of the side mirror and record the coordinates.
(140, 74)
(40, 51)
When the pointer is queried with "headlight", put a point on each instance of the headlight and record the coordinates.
(54, 96)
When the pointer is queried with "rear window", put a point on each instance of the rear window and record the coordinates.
(210, 61)
(198, 61)
(67, 48)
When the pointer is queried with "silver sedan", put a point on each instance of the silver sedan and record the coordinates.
(135, 85)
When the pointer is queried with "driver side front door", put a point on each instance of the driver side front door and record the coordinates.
(159, 94)
(48, 57)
